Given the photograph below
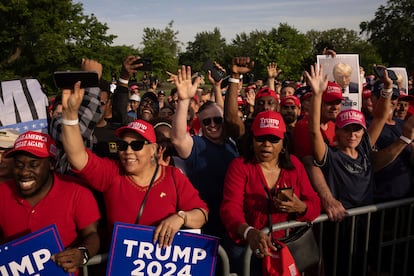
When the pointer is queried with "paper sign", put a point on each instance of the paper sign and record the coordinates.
(23, 105)
(133, 253)
(30, 254)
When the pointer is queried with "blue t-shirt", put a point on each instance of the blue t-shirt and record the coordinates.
(350, 180)
(206, 168)
(395, 180)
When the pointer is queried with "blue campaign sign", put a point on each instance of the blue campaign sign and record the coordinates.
(133, 253)
(30, 255)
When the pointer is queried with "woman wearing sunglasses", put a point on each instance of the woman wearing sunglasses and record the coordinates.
(136, 189)
(266, 180)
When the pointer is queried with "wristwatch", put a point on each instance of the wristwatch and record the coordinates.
(183, 215)
(85, 254)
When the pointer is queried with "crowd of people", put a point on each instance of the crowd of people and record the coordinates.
(225, 159)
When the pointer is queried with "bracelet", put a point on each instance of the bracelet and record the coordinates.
(246, 231)
(121, 80)
(70, 122)
(405, 139)
(232, 80)
(386, 93)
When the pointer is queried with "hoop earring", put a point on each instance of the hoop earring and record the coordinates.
(283, 151)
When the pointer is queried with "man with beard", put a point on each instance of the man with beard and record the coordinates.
(290, 111)
(38, 197)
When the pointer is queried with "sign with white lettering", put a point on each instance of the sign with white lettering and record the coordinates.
(133, 253)
(23, 105)
(30, 255)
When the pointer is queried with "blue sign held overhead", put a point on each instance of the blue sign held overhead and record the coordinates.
(133, 253)
(30, 255)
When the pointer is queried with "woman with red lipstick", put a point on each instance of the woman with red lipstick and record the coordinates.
(136, 189)
(267, 180)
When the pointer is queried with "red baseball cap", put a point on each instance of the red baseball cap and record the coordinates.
(133, 87)
(332, 93)
(141, 127)
(269, 123)
(366, 93)
(290, 100)
(36, 143)
(265, 91)
(350, 116)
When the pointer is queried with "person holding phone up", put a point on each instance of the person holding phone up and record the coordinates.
(266, 179)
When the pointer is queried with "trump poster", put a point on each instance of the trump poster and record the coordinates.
(133, 253)
(30, 254)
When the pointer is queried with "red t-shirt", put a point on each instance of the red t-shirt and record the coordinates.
(123, 197)
(301, 139)
(69, 205)
(245, 201)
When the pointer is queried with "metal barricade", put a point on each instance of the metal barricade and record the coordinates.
(393, 238)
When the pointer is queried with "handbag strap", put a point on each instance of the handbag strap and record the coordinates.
(141, 209)
(268, 198)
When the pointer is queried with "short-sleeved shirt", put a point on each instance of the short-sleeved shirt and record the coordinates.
(206, 168)
(69, 205)
(170, 192)
(351, 181)
(301, 139)
(396, 179)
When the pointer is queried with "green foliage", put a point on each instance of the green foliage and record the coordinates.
(284, 45)
(345, 41)
(43, 36)
(206, 46)
(162, 46)
(391, 31)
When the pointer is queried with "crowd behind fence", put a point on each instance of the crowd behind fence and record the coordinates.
(388, 242)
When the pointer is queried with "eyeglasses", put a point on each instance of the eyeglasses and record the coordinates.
(271, 138)
(135, 145)
(216, 120)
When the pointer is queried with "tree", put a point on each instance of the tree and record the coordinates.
(39, 37)
(345, 41)
(391, 31)
(162, 46)
(206, 46)
(284, 45)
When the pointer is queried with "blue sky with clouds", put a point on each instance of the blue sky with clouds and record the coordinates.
(128, 18)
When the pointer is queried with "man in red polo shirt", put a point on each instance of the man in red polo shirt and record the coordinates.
(38, 197)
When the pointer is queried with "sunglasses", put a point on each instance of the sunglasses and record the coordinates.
(135, 145)
(216, 120)
(272, 139)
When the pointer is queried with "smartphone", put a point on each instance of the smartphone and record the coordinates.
(283, 193)
(379, 72)
(146, 64)
(216, 73)
(67, 79)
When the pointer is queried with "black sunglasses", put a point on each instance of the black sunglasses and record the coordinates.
(135, 145)
(272, 139)
(217, 120)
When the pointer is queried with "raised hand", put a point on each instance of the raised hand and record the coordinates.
(272, 70)
(316, 79)
(241, 65)
(71, 101)
(183, 81)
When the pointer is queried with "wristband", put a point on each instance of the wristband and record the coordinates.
(232, 80)
(70, 122)
(121, 80)
(248, 228)
(386, 93)
(405, 139)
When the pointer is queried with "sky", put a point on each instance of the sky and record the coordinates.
(127, 18)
